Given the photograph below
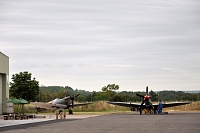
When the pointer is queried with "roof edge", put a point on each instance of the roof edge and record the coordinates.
(3, 54)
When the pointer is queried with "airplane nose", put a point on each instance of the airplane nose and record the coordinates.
(72, 98)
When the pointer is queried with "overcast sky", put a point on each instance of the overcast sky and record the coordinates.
(87, 44)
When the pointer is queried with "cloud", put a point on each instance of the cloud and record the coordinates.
(93, 43)
(168, 68)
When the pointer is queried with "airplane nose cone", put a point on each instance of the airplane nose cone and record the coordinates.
(71, 98)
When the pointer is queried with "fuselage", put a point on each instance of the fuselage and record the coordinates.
(64, 101)
(147, 101)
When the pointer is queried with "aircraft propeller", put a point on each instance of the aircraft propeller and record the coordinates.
(72, 97)
(140, 95)
(143, 99)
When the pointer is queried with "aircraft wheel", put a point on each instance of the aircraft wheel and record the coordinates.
(152, 111)
(70, 112)
(140, 111)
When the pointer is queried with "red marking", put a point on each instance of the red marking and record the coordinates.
(146, 98)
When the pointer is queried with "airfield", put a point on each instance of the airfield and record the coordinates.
(128, 122)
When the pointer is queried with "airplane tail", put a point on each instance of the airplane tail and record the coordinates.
(37, 109)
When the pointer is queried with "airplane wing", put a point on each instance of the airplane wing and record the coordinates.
(125, 104)
(137, 105)
(41, 105)
(53, 106)
(79, 104)
(172, 104)
(48, 105)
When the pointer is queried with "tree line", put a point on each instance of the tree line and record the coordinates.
(48, 93)
(23, 86)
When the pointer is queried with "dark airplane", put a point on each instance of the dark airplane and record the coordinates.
(146, 104)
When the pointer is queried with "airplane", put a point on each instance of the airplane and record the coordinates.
(63, 103)
(148, 107)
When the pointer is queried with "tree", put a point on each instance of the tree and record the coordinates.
(198, 97)
(109, 89)
(154, 96)
(117, 98)
(23, 87)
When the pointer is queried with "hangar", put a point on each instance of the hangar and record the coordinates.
(4, 81)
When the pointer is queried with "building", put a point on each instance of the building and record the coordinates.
(4, 81)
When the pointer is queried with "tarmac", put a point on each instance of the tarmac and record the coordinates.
(179, 122)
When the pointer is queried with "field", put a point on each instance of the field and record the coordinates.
(194, 106)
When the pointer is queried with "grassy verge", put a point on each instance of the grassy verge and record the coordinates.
(100, 106)
(194, 106)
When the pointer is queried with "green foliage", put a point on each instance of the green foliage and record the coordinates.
(108, 94)
(116, 98)
(22, 86)
(177, 96)
(48, 93)
(109, 90)
(100, 106)
(25, 87)
(154, 95)
(110, 87)
(198, 97)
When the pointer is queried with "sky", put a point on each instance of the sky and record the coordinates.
(88, 44)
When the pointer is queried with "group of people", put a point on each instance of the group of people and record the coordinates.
(60, 114)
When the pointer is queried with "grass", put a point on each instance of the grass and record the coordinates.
(100, 106)
(194, 106)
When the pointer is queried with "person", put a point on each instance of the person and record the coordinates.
(60, 113)
(160, 106)
(157, 110)
(64, 115)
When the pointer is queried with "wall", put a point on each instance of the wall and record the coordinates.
(1, 92)
(4, 82)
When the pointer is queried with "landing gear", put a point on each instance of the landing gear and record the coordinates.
(70, 112)
(141, 107)
(140, 110)
(151, 111)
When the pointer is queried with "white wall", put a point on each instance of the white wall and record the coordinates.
(9, 108)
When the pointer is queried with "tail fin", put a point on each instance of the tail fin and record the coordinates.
(147, 92)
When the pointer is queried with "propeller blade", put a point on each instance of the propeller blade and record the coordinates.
(72, 103)
(140, 95)
(67, 93)
(77, 95)
(154, 95)
(147, 92)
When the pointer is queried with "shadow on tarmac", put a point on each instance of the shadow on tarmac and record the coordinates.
(27, 125)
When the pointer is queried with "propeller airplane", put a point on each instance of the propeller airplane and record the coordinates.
(146, 104)
(58, 103)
